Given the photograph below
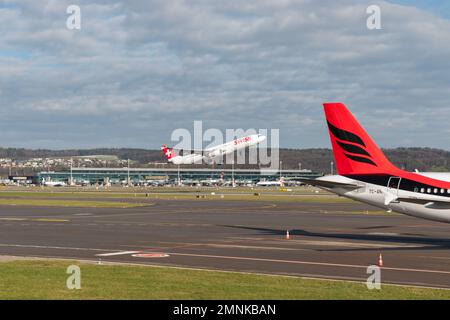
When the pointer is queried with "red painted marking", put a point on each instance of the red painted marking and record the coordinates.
(151, 255)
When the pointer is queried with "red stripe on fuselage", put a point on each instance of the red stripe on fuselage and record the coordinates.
(405, 175)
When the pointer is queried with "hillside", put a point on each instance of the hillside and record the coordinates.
(424, 159)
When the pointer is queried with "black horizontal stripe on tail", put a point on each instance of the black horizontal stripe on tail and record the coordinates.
(353, 149)
(360, 159)
(345, 135)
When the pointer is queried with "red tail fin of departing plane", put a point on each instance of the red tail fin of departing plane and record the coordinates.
(168, 153)
(354, 150)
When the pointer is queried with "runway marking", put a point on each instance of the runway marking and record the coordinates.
(269, 206)
(354, 244)
(307, 242)
(239, 258)
(35, 219)
(330, 243)
(216, 245)
(50, 220)
(116, 253)
(383, 234)
(150, 255)
(434, 257)
(225, 244)
(345, 244)
(121, 214)
(154, 224)
(51, 247)
(267, 274)
(327, 264)
(247, 238)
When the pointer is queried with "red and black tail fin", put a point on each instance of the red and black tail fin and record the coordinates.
(168, 153)
(354, 150)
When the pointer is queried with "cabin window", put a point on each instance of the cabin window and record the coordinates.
(423, 190)
(448, 191)
(442, 191)
(436, 190)
(429, 190)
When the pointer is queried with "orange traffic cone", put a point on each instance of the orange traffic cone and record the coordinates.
(380, 260)
(287, 235)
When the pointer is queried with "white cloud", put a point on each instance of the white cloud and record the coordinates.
(153, 66)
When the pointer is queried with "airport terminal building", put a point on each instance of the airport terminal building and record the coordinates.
(138, 176)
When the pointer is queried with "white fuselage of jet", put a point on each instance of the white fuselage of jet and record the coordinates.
(208, 155)
(387, 198)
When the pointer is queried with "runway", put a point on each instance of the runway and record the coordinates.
(327, 240)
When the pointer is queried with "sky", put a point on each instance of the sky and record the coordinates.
(138, 70)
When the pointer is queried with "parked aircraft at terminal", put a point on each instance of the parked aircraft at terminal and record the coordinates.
(276, 183)
(54, 183)
(366, 175)
(210, 154)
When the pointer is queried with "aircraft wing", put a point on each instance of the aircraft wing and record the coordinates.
(328, 184)
(197, 151)
(425, 201)
(205, 152)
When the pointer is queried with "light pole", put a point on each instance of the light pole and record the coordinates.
(233, 184)
(300, 166)
(179, 179)
(128, 172)
(331, 167)
(281, 165)
(71, 173)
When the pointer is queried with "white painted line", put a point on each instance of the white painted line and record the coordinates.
(297, 240)
(51, 247)
(306, 262)
(352, 244)
(150, 255)
(383, 234)
(116, 253)
(70, 248)
(214, 245)
(238, 258)
(325, 278)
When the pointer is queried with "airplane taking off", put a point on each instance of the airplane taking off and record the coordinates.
(366, 175)
(208, 155)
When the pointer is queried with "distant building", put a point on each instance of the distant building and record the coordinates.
(168, 175)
